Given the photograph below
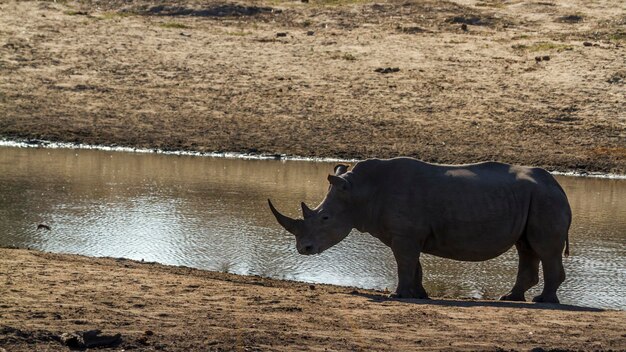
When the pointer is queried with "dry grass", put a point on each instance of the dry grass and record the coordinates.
(234, 85)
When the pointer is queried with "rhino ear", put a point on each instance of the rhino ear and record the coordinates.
(341, 169)
(339, 182)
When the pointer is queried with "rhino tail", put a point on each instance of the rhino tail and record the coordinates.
(567, 241)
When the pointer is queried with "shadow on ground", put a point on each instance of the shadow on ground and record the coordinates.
(468, 303)
(212, 11)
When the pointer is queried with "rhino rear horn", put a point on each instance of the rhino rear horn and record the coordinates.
(306, 211)
(291, 225)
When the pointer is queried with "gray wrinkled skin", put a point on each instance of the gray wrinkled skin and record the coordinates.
(468, 212)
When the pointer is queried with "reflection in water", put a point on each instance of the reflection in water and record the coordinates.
(212, 214)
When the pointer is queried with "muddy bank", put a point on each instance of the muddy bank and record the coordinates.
(157, 307)
(537, 83)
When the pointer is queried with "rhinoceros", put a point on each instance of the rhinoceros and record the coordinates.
(469, 212)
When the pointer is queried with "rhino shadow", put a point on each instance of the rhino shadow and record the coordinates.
(468, 304)
(213, 11)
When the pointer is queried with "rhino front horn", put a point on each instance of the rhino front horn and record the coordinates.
(288, 223)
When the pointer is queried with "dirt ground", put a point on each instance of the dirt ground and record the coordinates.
(156, 307)
(531, 82)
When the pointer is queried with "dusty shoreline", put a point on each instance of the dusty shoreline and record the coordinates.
(158, 307)
(18, 143)
(213, 76)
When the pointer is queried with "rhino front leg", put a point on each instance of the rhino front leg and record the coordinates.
(409, 270)
(417, 284)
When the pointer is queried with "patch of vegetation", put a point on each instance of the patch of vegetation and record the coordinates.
(241, 33)
(339, 2)
(410, 29)
(609, 151)
(617, 78)
(76, 13)
(471, 20)
(176, 25)
(618, 36)
(113, 15)
(491, 3)
(542, 46)
(348, 56)
(573, 18)
(343, 56)
(322, 2)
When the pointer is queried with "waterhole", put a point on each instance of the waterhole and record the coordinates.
(211, 213)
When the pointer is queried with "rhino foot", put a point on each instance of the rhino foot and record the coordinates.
(546, 298)
(513, 297)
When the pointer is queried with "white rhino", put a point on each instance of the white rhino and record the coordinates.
(465, 212)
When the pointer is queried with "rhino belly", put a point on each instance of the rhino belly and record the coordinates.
(469, 241)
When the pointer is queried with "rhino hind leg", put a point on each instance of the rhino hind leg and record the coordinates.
(553, 275)
(549, 247)
(547, 232)
(527, 272)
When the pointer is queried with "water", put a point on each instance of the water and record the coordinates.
(211, 213)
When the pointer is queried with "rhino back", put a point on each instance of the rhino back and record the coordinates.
(464, 212)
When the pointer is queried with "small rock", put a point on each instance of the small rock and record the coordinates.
(546, 58)
(281, 34)
(143, 340)
(43, 227)
(309, 33)
(537, 59)
(312, 287)
(464, 27)
(89, 339)
(587, 43)
(185, 34)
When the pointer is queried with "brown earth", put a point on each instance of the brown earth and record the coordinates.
(300, 78)
(157, 307)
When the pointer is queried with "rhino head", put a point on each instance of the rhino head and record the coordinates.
(327, 224)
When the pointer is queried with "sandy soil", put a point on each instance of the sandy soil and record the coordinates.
(156, 307)
(298, 78)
